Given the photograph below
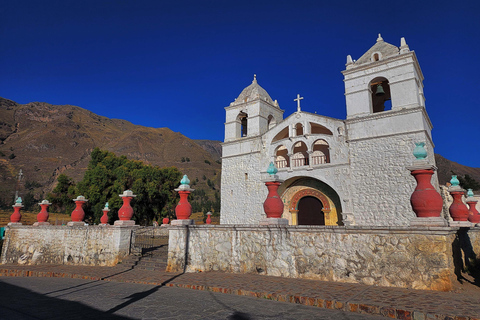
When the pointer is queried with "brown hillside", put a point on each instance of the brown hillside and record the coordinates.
(445, 168)
(46, 140)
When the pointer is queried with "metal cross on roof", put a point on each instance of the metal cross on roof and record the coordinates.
(298, 102)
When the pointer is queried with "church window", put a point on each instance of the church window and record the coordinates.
(243, 119)
(281, 157)
(376, 56)
(380, 94)
(281, 135)
(319, 129)
(300, 155)
(321, 152)
(271, 122)
(298, 129)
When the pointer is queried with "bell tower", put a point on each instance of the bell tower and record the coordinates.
(251, 114)
(385, 77)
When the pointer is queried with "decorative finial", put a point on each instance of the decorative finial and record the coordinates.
(379, 38)
(454, 181)
(404, 46)
(106, 205)
(185, 181)
(254, 78)
(272, 170)
(419, 152)
(19, 200)
(470, 193)
(349, 60)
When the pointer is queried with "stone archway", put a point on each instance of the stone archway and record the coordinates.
(310, 193)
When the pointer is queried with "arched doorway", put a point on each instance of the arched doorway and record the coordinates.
(310, 212)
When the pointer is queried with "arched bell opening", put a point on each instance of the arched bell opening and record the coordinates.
(242, 118)
(271, 122)
(380, 94)
(281, 157)
(299, 129)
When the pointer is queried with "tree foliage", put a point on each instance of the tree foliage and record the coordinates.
(62, 195)
(107, 176)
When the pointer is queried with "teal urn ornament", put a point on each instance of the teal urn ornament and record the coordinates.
(470, 193)
(419, 152)
(272, 170)
(454, 181)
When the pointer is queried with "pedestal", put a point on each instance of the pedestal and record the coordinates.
(466, 224)
(124, 223)
(273, 221)
(14, 224)
(76, 224)
(183, 222)
(428, 222)
(38, 224)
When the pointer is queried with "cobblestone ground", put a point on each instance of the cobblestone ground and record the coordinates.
(63, 298)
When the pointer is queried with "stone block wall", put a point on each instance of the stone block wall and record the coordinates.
(420, 258)
(381, 186)
(80, 245)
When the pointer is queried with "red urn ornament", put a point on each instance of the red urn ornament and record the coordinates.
(126, 211)
(458, 210)
(425, 200)
(184, 209)
(42, 216)
(104, 218)
(16, 215)
(474, 215)
(165, 220)
(78, 214)
(273, 205)
(209, 218)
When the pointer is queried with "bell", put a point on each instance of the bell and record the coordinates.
(379, 91)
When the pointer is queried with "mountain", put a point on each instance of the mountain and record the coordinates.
(446, 167)
(46, 140)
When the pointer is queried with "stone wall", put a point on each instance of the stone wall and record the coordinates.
(385, 256)
(381, 186)
(80, 245)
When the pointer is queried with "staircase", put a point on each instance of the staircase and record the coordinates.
(151, 251)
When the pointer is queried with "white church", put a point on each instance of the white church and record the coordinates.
(335, 172)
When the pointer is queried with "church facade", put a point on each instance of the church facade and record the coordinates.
(335, 172)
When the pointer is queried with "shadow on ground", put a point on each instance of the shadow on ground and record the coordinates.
(23, 304)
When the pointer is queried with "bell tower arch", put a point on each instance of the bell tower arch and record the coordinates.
(393, 70)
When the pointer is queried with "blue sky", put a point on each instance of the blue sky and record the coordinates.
(177, 64)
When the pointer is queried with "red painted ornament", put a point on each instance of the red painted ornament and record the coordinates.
(16, 216)
(458, 210)
(78, 214)
(474, 215)
(126, 211)
(183, 210)
(104, 218)
(42, 216)
(273, 205)
(425, 200)
(209, 218)
(165, 220)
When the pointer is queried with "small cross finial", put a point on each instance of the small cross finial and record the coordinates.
(298, 102)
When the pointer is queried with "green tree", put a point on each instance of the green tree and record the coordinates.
(468, 182)
(107, 176)
(63, 194)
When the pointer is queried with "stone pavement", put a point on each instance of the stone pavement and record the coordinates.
(394, 303)
(63, 298)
